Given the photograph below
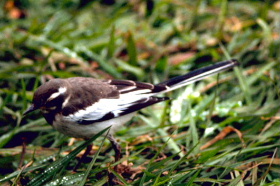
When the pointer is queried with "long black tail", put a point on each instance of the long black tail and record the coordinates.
(197, 75)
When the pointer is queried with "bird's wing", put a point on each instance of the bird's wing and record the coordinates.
(113, 98)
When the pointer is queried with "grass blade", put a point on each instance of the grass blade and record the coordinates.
(57, 165)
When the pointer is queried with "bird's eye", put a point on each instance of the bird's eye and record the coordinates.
(55, 102)
(50, 103)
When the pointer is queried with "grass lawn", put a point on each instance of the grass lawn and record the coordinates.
(223, 130)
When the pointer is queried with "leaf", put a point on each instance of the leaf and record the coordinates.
(131, 49)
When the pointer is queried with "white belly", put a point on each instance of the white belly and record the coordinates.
(73, 129)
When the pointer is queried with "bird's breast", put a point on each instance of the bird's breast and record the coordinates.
(74, 129)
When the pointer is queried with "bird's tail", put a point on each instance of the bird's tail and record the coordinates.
(197, 75)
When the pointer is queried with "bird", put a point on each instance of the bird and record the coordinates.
(80, 107)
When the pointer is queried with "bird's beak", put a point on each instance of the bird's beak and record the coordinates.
(30, 109)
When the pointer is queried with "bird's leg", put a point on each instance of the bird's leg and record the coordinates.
(113, 180)
(85, 154)
(116, 147)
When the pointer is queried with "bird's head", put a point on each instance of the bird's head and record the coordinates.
(49, 96)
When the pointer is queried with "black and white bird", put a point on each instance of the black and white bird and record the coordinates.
(81, 107)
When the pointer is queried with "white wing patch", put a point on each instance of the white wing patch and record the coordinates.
(104, 106)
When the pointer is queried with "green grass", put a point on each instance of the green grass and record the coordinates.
(148, 41)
